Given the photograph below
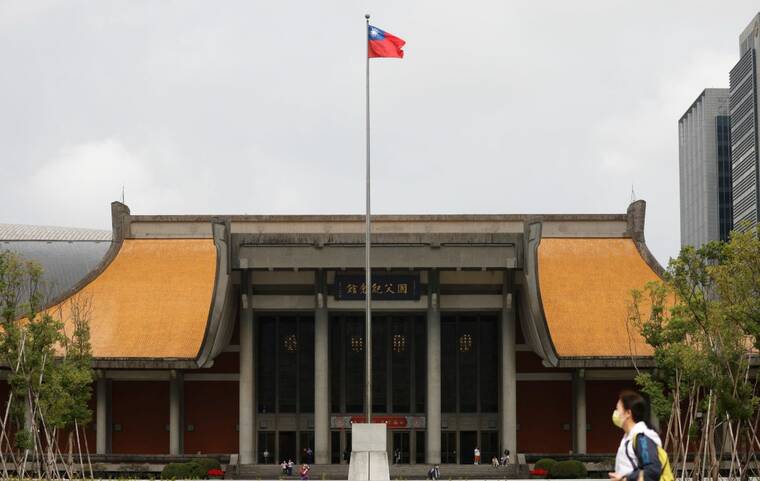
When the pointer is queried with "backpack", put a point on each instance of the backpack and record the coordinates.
(666, 474)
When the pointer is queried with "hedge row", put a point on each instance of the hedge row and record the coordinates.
(570, 469)
(195, 469)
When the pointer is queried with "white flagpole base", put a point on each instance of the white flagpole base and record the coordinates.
(369, 455)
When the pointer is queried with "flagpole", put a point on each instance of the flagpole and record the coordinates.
(367, 269)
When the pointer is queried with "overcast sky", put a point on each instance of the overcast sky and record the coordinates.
(258, 107)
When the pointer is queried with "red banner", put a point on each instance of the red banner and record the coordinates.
(393, 422)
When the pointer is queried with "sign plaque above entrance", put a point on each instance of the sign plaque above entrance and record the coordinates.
(393, 422)
(385, 287)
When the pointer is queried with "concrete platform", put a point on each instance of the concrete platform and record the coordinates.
(397, 471)
(369, 458)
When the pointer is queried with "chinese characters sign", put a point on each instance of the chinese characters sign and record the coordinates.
(393, 422)
(385, 287)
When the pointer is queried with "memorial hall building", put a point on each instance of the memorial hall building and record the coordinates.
(244, 334)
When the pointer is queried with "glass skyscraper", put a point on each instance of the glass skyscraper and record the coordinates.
(704, 158)
(744, 103)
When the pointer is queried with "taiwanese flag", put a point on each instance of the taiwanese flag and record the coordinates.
(383, 44)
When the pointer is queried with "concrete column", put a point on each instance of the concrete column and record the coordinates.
(101, 416)
(247, 385)
(321, 375)
(579, 402)
(508, 394)
(433, 402)
(176, 424)
(412, 447)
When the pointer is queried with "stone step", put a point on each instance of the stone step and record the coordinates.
(397, 471)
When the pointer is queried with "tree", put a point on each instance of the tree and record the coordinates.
(703, 323)
(50, 373)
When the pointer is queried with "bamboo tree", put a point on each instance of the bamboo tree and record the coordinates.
(49, 375)
(703, 324)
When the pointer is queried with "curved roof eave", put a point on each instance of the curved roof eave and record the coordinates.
(217, 321)
(538, 331)
(533, 320)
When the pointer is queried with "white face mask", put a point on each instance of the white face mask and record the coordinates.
(617, 419)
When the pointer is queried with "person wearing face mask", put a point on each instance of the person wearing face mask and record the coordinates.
(637, 456)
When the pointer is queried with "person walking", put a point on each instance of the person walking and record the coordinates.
(434, 473)
(476, 455)
(637, 456)
(303, 473)
(291, 464)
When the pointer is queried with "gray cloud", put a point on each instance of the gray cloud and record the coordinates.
(257, 107)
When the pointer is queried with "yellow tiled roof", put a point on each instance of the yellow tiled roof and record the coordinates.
(152, 301)
(585, 288)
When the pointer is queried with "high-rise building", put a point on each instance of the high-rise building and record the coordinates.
(745, 105)
(704, 162)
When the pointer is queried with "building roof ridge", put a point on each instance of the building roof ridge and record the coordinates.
(28, 232)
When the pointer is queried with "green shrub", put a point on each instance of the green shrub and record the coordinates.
(191, 470)
(568, 470)
(207, 463)
(173, 471)
(196, 471)
(545, 463)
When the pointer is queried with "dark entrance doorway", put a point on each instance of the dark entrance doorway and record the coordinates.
(419, 437)
(307, 444)
(400, 453)
(448, 447)
(468, 441)
(489, 446)
(266, 445)
(335, 453)
(288, 445)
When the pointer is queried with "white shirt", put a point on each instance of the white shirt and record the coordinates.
(622, 461)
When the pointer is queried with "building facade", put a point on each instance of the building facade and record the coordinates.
(245, 334)
(745, 135)
(704, 164)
